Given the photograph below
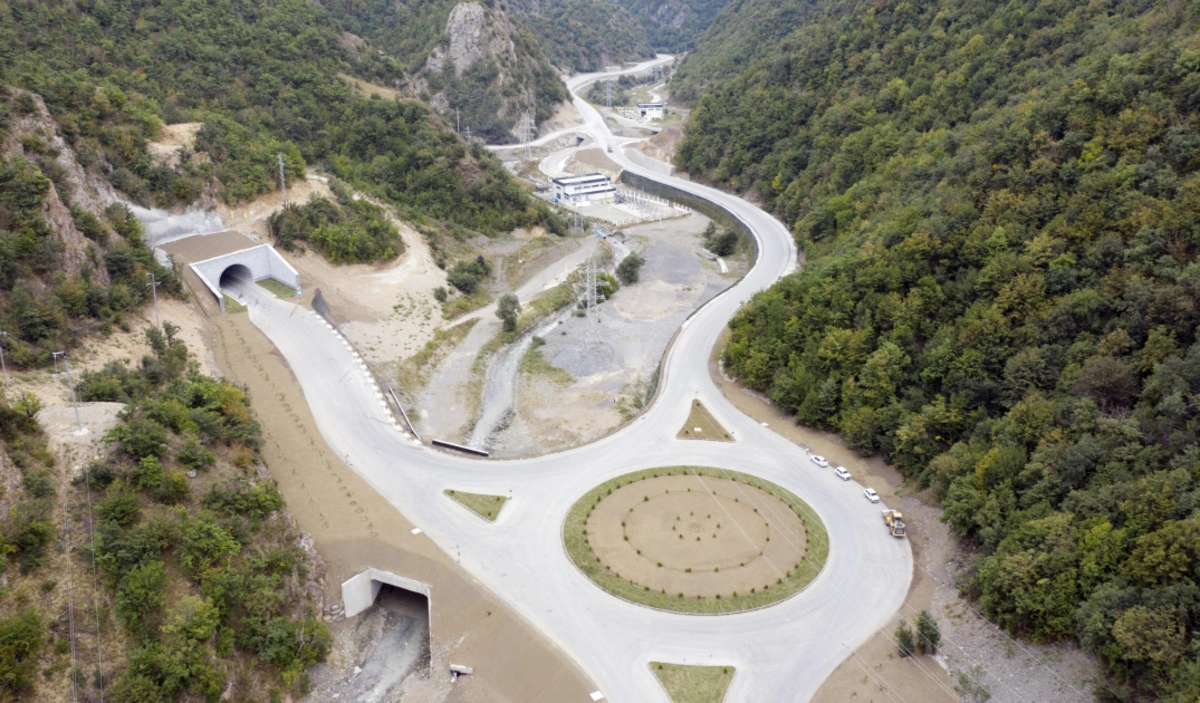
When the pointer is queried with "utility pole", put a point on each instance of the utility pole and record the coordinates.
(71, 383)
(282, 179)
(154, 292)
(457, 122)
(2, 364)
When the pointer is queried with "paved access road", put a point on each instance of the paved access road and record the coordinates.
(782, 653)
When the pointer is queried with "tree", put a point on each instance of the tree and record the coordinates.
(629, 270)
(142, 590)
(929, 635)
(508, 309)
(905, 640)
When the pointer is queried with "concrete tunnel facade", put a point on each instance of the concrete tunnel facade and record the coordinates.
(260, 262)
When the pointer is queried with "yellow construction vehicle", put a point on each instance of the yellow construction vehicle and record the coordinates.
(895, 522)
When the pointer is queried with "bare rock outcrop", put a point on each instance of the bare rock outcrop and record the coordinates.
(84, 190)
(474, 34)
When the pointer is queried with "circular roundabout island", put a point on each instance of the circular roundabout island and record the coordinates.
(695, 540)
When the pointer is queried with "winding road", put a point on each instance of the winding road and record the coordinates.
(781, 653)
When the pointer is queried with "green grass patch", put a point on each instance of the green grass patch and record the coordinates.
(279, 288)
(415, 370)
(460, 305)
(693, 684)
(485, 506)
(547, 302)
(580, 551)
(699, 417)
(535, 363)
(232, 306)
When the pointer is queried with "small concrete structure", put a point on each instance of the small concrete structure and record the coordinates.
(359, 592)
(650, 111)
(586, 188)
(259, 263)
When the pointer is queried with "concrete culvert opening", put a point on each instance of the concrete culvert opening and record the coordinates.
(390, 617)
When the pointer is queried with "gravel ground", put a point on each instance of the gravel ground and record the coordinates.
(632, 331)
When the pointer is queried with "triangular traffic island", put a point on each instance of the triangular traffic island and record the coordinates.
(693, 684)
(702, 425)
(484, 505)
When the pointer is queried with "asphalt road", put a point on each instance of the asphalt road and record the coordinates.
(782, 653)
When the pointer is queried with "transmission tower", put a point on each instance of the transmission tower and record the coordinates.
(282, 180)
(608, 88)
(587, 297)
(526, 126)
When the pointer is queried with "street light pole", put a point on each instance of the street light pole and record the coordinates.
(71, 384)
(154, 291)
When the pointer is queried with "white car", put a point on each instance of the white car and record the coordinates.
(819, 460)
(871, 495)
(842, 473)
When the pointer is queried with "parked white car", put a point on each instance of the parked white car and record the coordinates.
(819, 461)
(842, 473)
(871, 495)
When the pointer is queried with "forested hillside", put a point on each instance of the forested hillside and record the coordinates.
(673, 26)
(468, 56)
(1000, 206)
(92, 82)
(188, 583)
(584, 35)
(749, 31)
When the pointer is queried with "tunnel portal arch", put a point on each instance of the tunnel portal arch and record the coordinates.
(258, 263)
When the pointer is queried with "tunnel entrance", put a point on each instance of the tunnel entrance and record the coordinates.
(235, 273)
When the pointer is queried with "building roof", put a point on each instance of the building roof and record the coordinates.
(580, 180)
(649, 104)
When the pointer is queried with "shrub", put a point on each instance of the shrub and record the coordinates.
(21, 640)
(905, 640)
(142, 591)
(929, 635)
(240, 497)
(629, 270)
(120, 506)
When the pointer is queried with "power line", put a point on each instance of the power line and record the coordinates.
(70, 599)
(95, 583)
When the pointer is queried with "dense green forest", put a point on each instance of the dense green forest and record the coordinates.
(202, 587)
(583, 35)
(674, 26)
(493, 91)
(345, 230)
(1000, 207)
(749, 31)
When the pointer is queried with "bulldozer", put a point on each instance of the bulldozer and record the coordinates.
(895, 522)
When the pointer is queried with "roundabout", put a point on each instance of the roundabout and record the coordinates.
(781, 652)
(695, 540)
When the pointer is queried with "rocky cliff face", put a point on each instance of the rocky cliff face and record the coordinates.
(473, 34)
(34, 132)
(491, 71)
